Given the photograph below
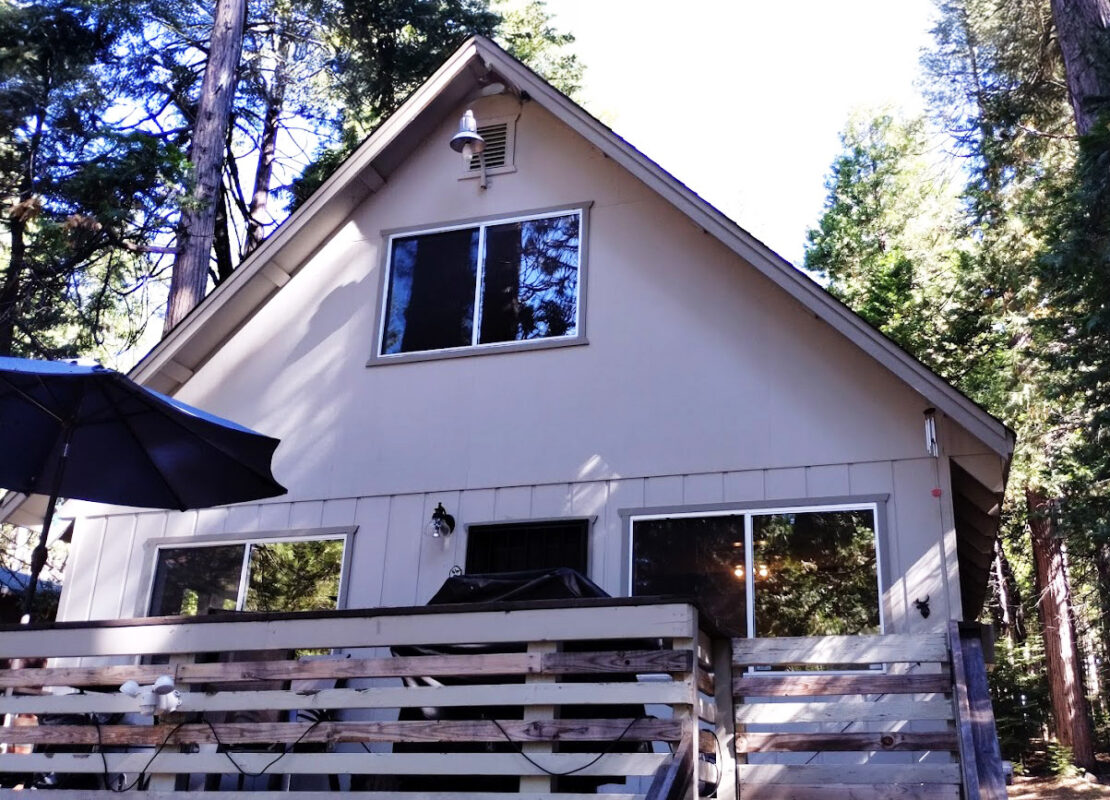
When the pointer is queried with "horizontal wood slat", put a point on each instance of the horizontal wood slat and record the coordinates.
(77, 794)
(816, 774)
(560, 730)
(805, 685)
(128, 638)
(819, 650)
(844, 711)
(826, 791)
(376, 697)
(863, 742)
(615, 764)
(603, 662)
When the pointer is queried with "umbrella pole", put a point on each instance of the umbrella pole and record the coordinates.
(38, 555)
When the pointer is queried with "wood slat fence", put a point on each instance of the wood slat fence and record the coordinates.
(611, 699)
(889, 716)
(536, 700)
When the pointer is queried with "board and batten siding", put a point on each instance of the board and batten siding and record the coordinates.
(701, 382)
(392, 563)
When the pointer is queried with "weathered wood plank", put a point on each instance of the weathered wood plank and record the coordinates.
(672, 780)
(844, 711)
(988, 755)
(560, 730)
(874, 774)
(878, 649)
(862, 742)
(807, 685)
(616, 764)
(133, 637)
(962, 709)
(603, 662)
(375, 697)
(825, 791)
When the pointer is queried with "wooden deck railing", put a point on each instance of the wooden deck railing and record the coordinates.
(890, 716)
(616, 699)
(544, 700)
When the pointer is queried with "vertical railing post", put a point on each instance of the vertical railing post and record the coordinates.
(538, 783)
(725, 730)
(687, 713)
(984, 734)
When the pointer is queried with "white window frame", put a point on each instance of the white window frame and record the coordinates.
(475, 347)
(748, 512)
(343, 534)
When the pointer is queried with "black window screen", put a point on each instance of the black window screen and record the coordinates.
(527, 545)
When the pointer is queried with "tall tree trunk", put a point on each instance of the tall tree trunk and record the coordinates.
(267, 148)
(1083, 27)
(196, 230)
(225, 264)
(1069, 706)
(10, 287)
(1011, 614)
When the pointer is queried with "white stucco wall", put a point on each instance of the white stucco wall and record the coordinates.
(701, 383)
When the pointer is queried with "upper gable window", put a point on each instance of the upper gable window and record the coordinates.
(485, 284)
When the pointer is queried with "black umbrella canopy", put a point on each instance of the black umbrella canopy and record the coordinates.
(90, 433)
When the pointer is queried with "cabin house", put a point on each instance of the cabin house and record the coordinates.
(552, 354)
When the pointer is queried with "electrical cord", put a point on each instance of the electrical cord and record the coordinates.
(276, 759)
(142, 774)
(587, 765)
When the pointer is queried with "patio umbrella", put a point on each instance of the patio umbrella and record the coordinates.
(90, 433)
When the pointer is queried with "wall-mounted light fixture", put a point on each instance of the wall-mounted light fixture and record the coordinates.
(931, 446)
(470, 143)
(441, 524)
(158, 698)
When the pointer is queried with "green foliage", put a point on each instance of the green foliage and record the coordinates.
(80, 195)
(525, 30)
(1020, 694)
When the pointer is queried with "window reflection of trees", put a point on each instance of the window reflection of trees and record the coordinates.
(815, 574)
(531, 280)
(812, 573)
(529, 285)
(294, 576)
(281, 576)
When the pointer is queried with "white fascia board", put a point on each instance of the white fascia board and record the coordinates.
(931, 386)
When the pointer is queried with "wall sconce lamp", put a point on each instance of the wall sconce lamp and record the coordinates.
(470, 143)
(158, 698)
(442, 524)
(931, 446)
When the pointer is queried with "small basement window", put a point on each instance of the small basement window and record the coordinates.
(484, 285)
(517, 546)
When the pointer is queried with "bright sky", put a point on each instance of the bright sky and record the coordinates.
(742, 100)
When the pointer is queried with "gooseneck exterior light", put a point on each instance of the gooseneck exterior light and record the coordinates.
(470, 143)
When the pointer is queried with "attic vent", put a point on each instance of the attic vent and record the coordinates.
(500, 136)
(497, 145)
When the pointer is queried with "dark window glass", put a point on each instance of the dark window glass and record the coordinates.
(815, 573)
(530, 280)
(531, 545)
(431, 291)
(697, 557)
(294, 576)
(529, 285)
(197, 580)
